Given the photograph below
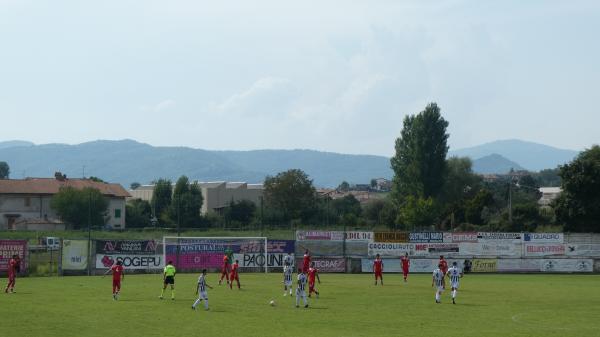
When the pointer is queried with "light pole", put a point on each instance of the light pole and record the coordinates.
(90, 232)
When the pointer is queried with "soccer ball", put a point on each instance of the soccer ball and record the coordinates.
(272, 303)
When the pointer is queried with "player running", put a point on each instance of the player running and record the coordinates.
(438, 280)
(312, 273)
(169, 279)
(405, 266)
(14, 266)
(289, 259)
(306, 262)
(454, 274)
(301, 289)
(225, 269)
(443, 267)
(234, 275)
(378, 269)
(118, 275)
(201, 291)
(287, 278)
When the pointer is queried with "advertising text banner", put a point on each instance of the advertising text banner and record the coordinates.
(130, 261)
(543, 237)
(128, 247)
(75, 255)
(8, 248)
(395, 237)
(426, 237)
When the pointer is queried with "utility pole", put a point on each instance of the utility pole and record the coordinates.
(510, 201)
(89, 232)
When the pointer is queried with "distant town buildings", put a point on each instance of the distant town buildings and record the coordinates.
(216, 195)
(25, 203)
(548, 195)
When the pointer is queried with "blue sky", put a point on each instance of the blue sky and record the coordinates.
(327, 75)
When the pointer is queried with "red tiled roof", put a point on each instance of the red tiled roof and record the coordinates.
(51, 186)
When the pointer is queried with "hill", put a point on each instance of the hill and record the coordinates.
(126, 161)
(494, 163)
(529, 155)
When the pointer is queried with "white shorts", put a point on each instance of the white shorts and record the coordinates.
(301, 293)
(455, 285)
(203, 295)
(287, 283)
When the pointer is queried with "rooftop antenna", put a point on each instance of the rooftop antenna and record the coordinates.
(83, 172)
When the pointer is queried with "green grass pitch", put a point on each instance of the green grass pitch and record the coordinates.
(350, 305)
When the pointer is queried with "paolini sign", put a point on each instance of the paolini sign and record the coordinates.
(252, 255)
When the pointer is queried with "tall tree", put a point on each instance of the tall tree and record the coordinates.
(420, 161)
(186, 203)
(138, 213)
(161, 197)
(241, 211)
(291, 192)
(578, 206)
(78, 207)
(4, 170)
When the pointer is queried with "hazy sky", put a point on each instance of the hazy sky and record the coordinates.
(327, 75)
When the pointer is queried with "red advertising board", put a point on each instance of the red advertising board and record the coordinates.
(8, 248)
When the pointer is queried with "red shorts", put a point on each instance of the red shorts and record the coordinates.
(234, 277)
(405, 271)
(378, 274)
(117, 284)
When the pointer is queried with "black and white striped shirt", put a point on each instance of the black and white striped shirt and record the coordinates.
(201, 284)
(287, 274)
(438, 278)
(454, 273)
(301, 282)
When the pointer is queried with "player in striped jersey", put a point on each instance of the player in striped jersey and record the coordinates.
(438, 280)
(201, 291)
(287, 278)
(454, 274)
(301, 290)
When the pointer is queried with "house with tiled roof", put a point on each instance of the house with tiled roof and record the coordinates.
(25, 203)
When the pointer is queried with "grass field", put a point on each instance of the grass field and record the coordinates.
(488, 305)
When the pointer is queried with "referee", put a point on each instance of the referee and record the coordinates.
(169, 278)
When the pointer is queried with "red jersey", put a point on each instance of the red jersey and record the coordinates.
(12, 267)
(225, 261)
(117, 271)
(405, 262)
(378, 265)
(234, 269)
(312, 272)
(306, 261)
(444, 267)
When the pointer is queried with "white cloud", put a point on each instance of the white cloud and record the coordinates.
(164, 105)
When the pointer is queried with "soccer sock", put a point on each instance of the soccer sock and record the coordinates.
(437, 296)
(162, 292)
(454, 294)
(297, 299)
(206, 303)
(172, 293)
(196, 302)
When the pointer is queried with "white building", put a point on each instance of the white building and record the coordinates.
(548, 195)
(25, 203)
(216, 195)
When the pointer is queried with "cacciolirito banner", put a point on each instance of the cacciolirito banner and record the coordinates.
(543, 237)
(426, 237)
(8, 248)
(391, 249)
(75, 255)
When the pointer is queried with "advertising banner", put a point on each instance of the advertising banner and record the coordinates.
(415, 237)
(198, 253)
(75, 254)
(319, 236)
(398, 237)
(591, 250)
(391, 249)
(128, 247)
(492, 236)
(567, 265)
(251, 256)
(328, 264)
(484, 265)
(458, 237)
(416, 265)
(543, 237)
(130, 261)
(359, 236)
(8, 248)
(490, 248)
(518, 265)
(541, 249)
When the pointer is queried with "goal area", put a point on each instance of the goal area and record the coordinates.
(192, 254)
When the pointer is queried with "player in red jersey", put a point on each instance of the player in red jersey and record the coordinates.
(14, 266)
(234, 275)
(443, 267)
(306, 262)
(118, 275)
(312, 273)
(378, 269)
(405, 266)
(225, 269)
